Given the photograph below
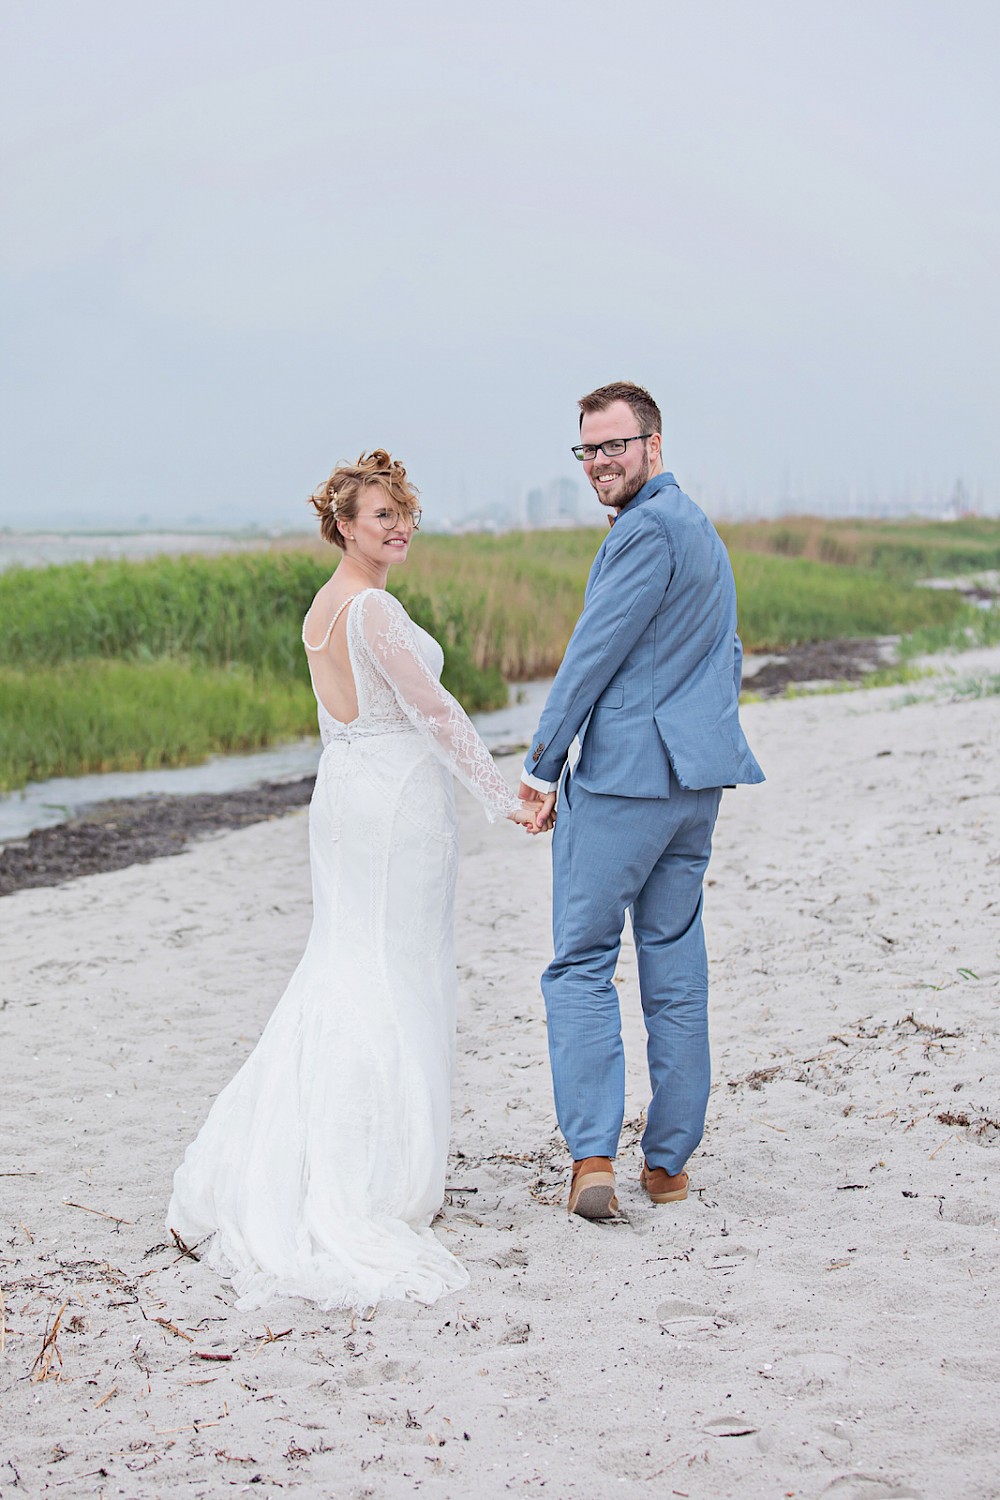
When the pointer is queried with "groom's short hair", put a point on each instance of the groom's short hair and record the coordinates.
(647, 413)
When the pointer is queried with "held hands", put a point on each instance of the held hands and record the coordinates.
(525, 818)
(541, 808)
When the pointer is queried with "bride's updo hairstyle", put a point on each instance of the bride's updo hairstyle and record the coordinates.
(337, 500)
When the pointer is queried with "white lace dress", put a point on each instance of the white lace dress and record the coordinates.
(321, 1165)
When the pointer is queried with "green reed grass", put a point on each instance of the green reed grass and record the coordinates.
(86, 716)
(523, 594)
(245, 608)
(166, 660)
(907, 549)
(785, 601)
(969, 628)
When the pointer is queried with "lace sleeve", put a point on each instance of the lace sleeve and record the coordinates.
(385, 633)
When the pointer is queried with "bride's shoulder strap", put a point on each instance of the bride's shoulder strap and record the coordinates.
(329, 629)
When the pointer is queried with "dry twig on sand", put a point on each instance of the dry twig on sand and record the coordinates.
(271, 1338)
(98, 1211)
(172, 1328)
(42, 1368)
(186, 1250)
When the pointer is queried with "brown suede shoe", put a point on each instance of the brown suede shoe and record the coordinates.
(592, 1189)
(661, 1187)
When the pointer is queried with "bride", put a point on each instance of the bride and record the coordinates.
(321, 1165)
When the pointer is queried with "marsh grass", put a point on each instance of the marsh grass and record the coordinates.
(968, 629)
(888, 676)
(121, 665)
(519, 594)
(128, 665)
(987, 686)
(786, 601)
(522, 594)
(87, 716)
(906, 549)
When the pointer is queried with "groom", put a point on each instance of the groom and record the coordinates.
(650, 683)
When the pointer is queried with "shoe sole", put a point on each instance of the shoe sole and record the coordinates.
(596, 1201)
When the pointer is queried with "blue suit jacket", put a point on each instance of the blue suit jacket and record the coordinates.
(651, 675)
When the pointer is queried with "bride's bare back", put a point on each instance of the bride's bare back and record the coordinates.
(325, 636)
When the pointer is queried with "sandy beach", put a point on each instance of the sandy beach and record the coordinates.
(819, 1319)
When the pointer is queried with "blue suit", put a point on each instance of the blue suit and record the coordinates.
(650, 682)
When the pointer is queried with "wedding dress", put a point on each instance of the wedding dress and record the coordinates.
(321, 1165)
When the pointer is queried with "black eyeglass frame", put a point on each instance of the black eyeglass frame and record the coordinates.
(583, 450)
(413, 516)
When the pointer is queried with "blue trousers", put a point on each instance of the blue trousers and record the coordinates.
(610, 855)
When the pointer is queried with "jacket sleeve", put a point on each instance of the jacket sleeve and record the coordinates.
(737, 664)
(384, 632)
(625, 595)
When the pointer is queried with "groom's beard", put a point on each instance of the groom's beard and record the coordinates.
(618, 495)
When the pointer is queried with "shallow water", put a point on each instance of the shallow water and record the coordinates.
(43, 549)
(42, 804)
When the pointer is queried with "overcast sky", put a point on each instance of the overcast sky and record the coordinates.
(245, 240)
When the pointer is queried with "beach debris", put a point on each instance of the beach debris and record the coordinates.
(98, 1211)
(186, 1250)
(926, 1028)
(756, 1079)
(172, 1328)
(42, 1369)
(267, 1337)
(547, 1193)
(985, 1125)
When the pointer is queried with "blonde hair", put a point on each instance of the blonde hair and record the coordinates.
(337, 499)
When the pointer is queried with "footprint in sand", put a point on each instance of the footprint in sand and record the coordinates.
(390, 1371)
(813, 1368)
(869, 1487)
(729, 1427)
(685, 1320)
(794, 1439)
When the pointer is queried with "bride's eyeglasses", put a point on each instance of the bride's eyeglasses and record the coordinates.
(389, 517)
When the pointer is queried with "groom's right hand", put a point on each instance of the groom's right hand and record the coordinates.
(543, 806)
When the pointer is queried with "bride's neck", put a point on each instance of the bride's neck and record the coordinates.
(358, 573)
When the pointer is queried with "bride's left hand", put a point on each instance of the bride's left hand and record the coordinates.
(526, 816)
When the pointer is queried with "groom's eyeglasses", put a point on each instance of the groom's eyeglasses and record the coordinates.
(613, 448)
(389, 518)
